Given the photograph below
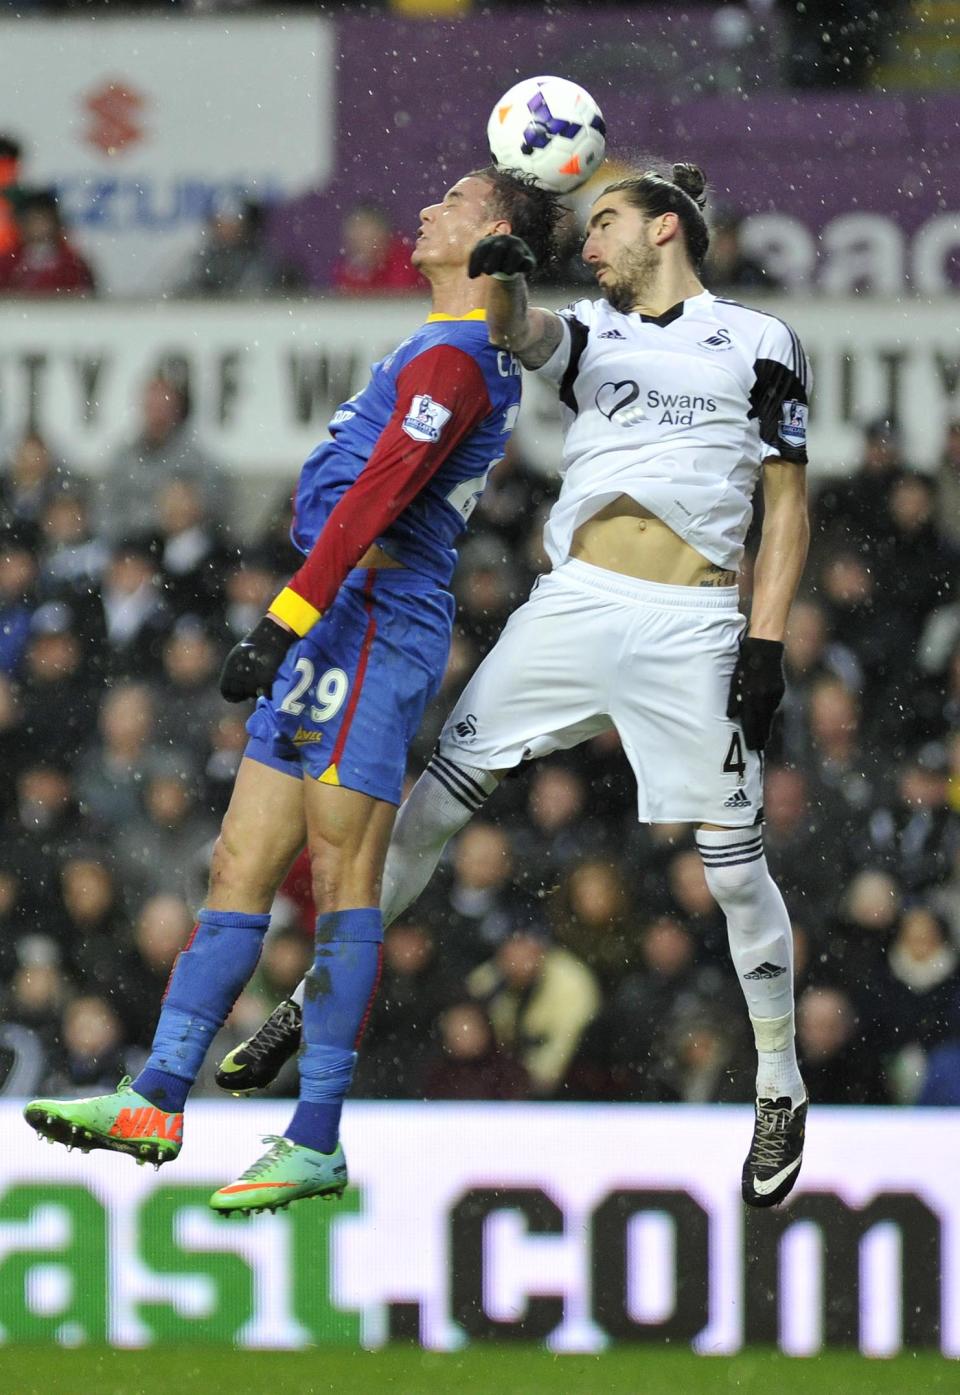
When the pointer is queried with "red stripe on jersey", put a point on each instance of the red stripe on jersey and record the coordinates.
(365, 647)
(398, 468)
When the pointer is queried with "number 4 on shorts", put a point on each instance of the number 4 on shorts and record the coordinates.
(733, 762)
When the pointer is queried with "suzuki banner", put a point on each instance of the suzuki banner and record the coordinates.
(146, 126)
(574, 1226)
(265, 381)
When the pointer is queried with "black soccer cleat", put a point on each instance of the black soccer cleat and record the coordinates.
(776, 1152)
(257, 1061)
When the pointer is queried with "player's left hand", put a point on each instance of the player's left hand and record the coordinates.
(502, 256)
(251, 666)
(756, 689)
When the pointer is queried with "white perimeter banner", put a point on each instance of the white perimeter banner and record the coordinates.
(143, 124)
(576, 1226)
(266, 378)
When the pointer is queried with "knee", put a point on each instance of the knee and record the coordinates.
(236, 875)
(327, 876)
(737, 885)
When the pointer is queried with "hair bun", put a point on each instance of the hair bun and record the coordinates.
(692, 181)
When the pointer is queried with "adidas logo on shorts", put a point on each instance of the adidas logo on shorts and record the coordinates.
(765, 970)
(611, 334)
(737, 800)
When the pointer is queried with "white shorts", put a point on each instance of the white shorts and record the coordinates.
(593, 649)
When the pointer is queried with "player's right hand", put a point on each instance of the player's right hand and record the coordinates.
(251, 666)
(502, 256)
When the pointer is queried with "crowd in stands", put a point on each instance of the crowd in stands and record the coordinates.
(562, 951)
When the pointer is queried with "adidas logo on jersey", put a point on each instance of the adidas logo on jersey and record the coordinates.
(765, 970)
(738, 800)
(611, 334)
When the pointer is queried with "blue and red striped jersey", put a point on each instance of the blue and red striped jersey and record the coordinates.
(408, 457)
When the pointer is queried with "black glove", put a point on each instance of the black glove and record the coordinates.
(756, 689)
(502, 256)
(251, 666)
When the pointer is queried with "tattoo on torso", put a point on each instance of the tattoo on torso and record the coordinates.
(716, 576)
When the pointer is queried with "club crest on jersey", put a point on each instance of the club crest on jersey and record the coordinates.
(716, 343)
(793, 423)
(426, 419)
(616, 401)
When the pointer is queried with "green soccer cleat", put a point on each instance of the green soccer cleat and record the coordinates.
(286, 1172)
(123, 1122)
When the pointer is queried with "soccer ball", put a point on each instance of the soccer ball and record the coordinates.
(550, 128)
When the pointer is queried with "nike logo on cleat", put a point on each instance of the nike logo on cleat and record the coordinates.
(766, 970)
(770, 1184)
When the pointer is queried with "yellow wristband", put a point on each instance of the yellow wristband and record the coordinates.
(294, 611)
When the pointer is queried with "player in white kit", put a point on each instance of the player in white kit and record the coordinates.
(674, 403)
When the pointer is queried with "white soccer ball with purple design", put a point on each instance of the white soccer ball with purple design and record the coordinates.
(550, 128)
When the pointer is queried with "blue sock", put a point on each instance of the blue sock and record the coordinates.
(207, 979)
(339, 994)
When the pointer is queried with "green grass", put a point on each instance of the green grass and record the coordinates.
(497, 1371)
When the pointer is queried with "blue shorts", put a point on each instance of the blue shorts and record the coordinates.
(351, 694)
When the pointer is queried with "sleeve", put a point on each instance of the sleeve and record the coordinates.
(780, 394)
(441, 397)
(564, 363)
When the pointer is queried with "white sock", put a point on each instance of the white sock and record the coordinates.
(443, 800)
(761, 946)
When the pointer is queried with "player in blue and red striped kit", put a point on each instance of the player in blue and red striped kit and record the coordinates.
(343, 665)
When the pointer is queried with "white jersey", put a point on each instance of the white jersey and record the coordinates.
(677, 411)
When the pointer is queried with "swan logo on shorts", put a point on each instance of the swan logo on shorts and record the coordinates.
(426, 418)
(793, 423)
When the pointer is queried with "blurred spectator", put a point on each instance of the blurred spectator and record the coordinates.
(374, 259)
(480, 904)
(540, 998)
(249, 586)
(134, 614)
(142, 968)
(558, 828)
(915, 832)
(414, 989)
(161, 848)
(809, 653)
(44, 262)
(163, 450)
(838, 1066)
(72, 558)
(31, 481)
(727, 266)
(11, 194)
(915, 568)
(469, 1065)
(707, 1060)
(925, 968)
(18, 575)
(191, 704)
(852, 511)
(487, 588)
(839, 763)
(111, 773)
(92, 1055)
(233, 258)
(57, 701)
(804, 860)
(594, 916)
(32, 1005)
(191, 554)
(948, 484)
(92, 920)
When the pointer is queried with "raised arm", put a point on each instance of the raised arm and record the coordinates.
(530, 333)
